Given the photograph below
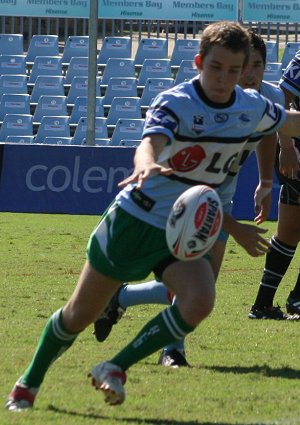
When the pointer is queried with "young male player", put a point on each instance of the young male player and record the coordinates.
(154, 291)
(183, 144)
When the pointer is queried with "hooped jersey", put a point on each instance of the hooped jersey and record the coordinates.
(204, 141)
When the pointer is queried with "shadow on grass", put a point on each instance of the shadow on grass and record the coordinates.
(283, 372)
(141, 421)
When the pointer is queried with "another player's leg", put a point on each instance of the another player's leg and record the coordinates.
(129, 295)
(89, 298)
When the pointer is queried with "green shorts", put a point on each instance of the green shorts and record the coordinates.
(126, 248)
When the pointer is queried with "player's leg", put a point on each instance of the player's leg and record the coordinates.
(152, 292)
(278, 259)
(89, 298)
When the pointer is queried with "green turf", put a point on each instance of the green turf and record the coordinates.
(245, 372)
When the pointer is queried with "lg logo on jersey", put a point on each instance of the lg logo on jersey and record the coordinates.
(189, 159)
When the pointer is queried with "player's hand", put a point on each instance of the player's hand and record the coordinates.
(140, 174)
(250, 237)
(289, 163)
(262, 202)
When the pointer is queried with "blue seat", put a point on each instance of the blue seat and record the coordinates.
(51, 140)
(16, 125)
(130, 143)
(14, 104)
(13, 64)
(151, 48)
(118, 67)
(184, 49)
(120, 86)
(45, 65)
(290, 50)
(75, 46)
(80, 132)
(273, 71)
(42, 45)
(20, 139)
(78, 67)
(11, 44)
(79, 109)
(53, 127)
(79, 87)
(272, 50)
(154, 68)
(123, 107)
(97, 142)
(127, 128)
(16, 84)
(47, 85)
(48, 105)
(186, 71)
(114, 47)
(153, 87)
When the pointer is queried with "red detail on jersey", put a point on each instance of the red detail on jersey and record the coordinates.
(187, 159)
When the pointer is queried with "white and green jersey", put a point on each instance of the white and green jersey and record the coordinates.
(205, 140)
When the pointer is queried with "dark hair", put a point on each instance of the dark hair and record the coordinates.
(230, 35)
(257, 43)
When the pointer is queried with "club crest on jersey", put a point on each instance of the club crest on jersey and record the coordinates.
(244, 120)
(220, 118)
(198, 123)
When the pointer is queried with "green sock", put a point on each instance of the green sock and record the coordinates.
(166, 327)
(54, 341)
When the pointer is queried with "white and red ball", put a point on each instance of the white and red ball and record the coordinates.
(194, 223)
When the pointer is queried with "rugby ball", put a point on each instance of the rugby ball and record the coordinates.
(194, 223)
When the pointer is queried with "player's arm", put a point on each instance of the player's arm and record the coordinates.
(145, 159)
(247, 235)
(265, 155)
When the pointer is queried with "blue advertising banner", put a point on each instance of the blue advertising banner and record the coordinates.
(83, 180)
(210, 10)
(271, 11)
(61, 179)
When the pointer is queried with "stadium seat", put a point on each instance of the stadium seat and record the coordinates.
(80, 132)
(20, 139)
(47, 85)
(45, 65)
(53, 127)
(273, 71)
(75, 46)
(98, 142)
(124, 107)
(184, 49)
(14, 104)
(42, 45)
(79, 109)
(129, 128)
(79, 87)
(51, 140)
(290, 49)
(114, 47)
(272, 50)
(11, 44)
(13, 64)
(151, 48)
(154, 86)
(132, 143)
(78, 67)
(120, 86)
(16, 125)
(48, 105)
(118, 67)
(154, 68)
(186, 71)
(15, 84)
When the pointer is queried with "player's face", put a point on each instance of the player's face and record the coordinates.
(254, 71)
(220, 70)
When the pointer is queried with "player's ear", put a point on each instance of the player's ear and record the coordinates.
(198, 61)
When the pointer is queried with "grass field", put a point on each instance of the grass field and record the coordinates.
(244, 372)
